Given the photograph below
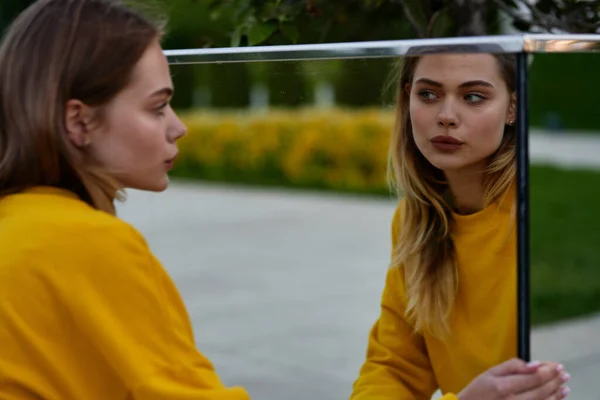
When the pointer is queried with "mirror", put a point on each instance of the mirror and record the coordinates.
(277, 228)
(565, 289)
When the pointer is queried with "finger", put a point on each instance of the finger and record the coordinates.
(550, 389)
(523, 383)
(558, 394)
(515, 366)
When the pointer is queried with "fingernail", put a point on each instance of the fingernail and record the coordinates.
(565, 390)
(560, 368)
(534, 364)
(565, 376)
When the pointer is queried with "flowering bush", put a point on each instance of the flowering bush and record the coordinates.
(337, 149)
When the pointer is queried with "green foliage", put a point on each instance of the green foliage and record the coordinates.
(562, 86)
(570, 16)
(272, 22)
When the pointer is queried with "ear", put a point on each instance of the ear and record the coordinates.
(78, 117)
(407, 88)
(511, 115)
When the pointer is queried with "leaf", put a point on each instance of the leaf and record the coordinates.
(290, 31)
(236, 37)
(440, 22)
(269, 11)
(259, 32)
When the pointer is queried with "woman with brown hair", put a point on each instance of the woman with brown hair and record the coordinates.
(448, 308)
(86, 311)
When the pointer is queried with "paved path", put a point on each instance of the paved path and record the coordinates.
(282, 287)
(574, 149)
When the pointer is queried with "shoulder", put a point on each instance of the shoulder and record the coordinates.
(89, 227)
(100, 251)
(59, 225)
(96, 232)
(69, 245)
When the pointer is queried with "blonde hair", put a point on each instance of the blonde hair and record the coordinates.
(425, 248)
(57, 50)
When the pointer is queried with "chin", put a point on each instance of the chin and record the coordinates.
(446, 163)
(160, 185)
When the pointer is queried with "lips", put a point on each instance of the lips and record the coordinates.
(446, 143)
(170, 160)
(446, 140)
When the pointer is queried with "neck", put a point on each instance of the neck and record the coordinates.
(467, 191)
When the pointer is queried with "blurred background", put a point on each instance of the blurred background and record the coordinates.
(277, 226)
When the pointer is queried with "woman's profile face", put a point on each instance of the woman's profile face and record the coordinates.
(136, 139)
(459, 106)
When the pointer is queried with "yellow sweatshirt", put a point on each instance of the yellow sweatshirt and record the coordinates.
(401, 365)
(86, 311)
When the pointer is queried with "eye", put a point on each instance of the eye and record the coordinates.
(427, 95)
(475, 97)
(160, 110)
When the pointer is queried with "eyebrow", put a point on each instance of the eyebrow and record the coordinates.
(163, 92)
(462, 85)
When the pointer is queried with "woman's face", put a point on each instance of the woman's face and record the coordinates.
(459, 106)
(136, 139)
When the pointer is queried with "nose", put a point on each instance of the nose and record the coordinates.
(448, 117)
(178, 129)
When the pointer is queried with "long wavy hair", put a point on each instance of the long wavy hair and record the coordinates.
(425, 248)
(57, 50)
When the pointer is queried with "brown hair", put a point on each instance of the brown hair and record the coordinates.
(57, 50)
(425, 248)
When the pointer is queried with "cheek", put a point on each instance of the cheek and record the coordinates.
(421, 119)
(131, 140)
(487, 129)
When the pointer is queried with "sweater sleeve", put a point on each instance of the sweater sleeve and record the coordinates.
(397, 366)
(119, 301)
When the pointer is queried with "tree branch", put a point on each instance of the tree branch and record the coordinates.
(411, 18)
(514, 14)
(548, 22)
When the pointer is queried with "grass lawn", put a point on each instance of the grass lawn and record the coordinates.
(565, 243)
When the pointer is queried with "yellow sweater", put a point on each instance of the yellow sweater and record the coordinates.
(401, 365)
(86, 311)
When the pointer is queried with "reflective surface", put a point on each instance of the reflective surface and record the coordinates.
(228, 82)
(283, 280)
(565, 174)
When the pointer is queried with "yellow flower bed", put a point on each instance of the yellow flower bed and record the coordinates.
(329, 148)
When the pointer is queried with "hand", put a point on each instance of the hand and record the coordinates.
(517, 380)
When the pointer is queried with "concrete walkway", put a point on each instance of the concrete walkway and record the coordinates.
(572, 150)
(283, 287)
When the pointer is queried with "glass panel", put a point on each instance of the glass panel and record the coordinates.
(277, 228)
(565, 284)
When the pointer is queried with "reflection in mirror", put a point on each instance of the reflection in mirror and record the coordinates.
(284, 286)
(564, 176)
(448, 309)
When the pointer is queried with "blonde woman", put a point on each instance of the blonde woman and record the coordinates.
(448, 309)
(86, 310)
